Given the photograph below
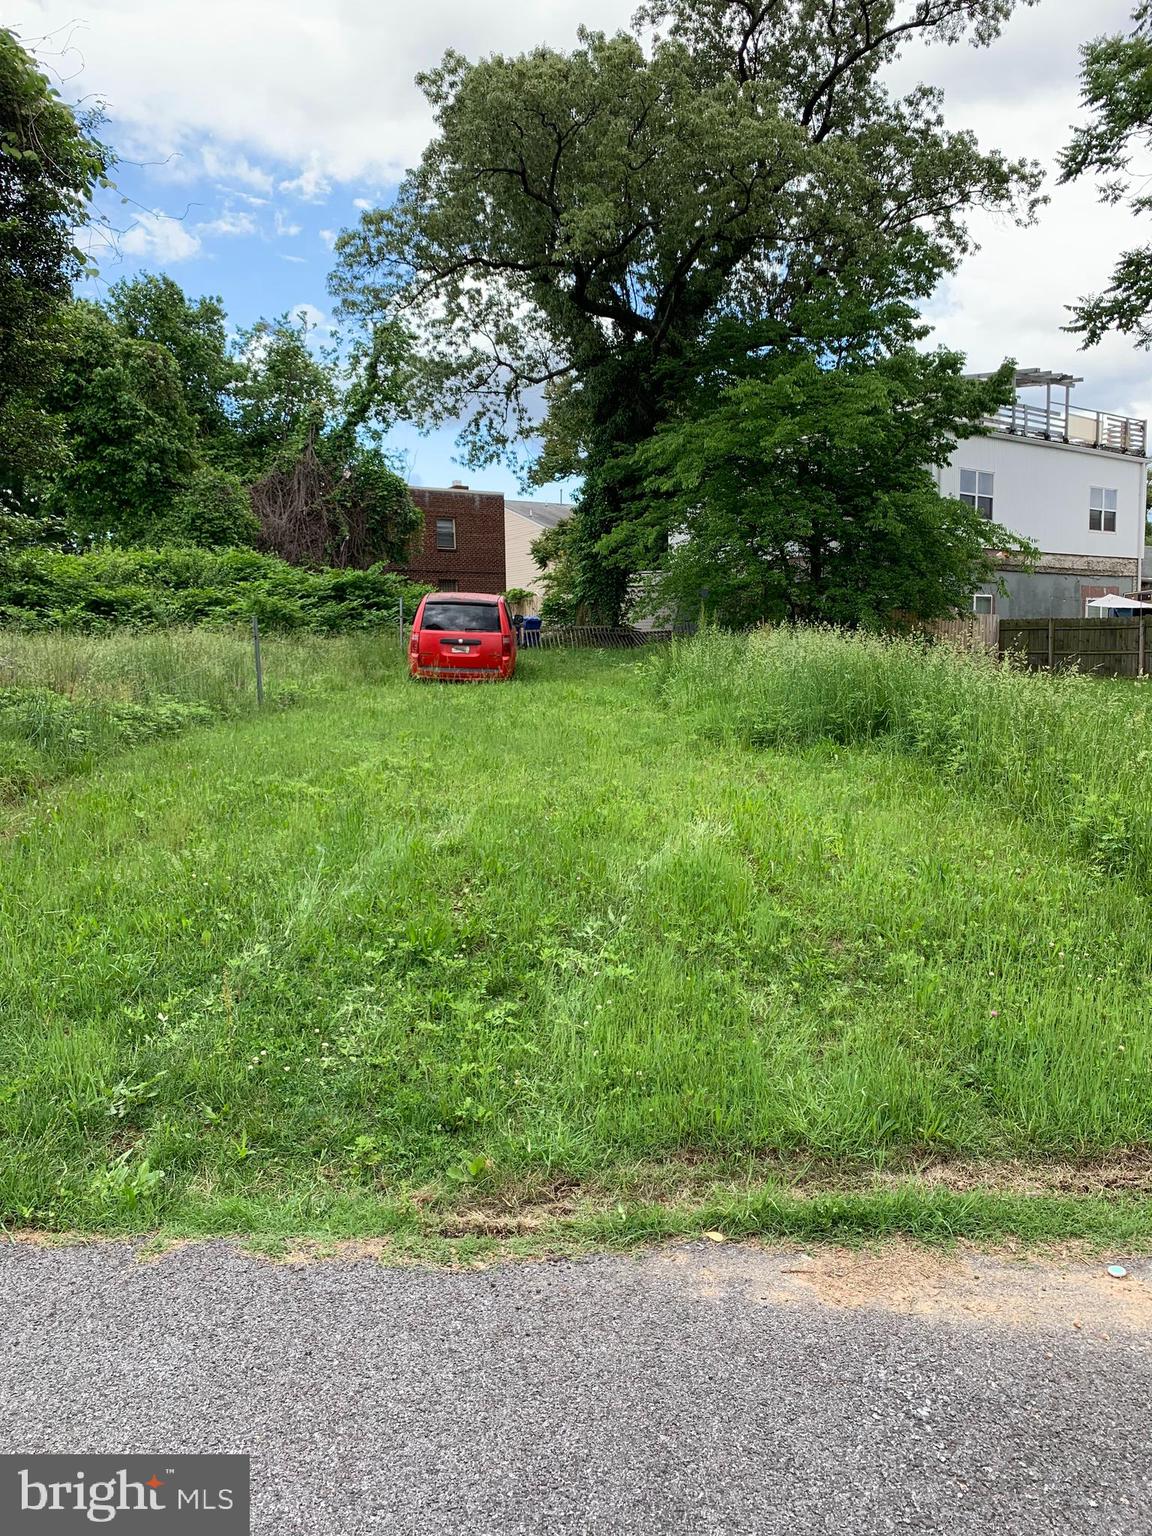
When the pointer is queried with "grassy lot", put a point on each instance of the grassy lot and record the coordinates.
(614, 944)
(67, 701)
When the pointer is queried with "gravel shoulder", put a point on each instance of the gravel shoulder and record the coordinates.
(697, 1388)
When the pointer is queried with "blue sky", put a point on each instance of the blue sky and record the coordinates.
(251, 131)
(259, 235)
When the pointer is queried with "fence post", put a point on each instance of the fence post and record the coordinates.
(401, 621)
(1140, 644)
(1051, 645)
(256, 657)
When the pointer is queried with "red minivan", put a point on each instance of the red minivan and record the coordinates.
(462, 637)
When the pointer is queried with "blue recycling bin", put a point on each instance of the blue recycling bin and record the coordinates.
(532, 631)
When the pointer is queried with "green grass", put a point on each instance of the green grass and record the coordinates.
(407, 949)
(67, 701)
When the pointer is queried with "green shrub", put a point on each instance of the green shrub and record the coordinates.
(1066, 750)
(161, 588)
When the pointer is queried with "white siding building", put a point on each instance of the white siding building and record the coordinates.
(1073, 481)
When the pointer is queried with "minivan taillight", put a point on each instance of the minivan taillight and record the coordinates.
(507, 647)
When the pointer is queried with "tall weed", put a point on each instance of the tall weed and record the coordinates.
(1066, 750)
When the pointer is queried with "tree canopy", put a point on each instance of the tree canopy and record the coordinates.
(1116, 86)
(801, 491)
(50, 162)
(583, 222)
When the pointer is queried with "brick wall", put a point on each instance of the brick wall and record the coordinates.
(477, 562)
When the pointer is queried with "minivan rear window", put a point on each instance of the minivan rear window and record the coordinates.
(466, 617)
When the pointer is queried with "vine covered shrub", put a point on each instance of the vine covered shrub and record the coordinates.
(159, 588)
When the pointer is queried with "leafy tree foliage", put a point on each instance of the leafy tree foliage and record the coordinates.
(582, 222)
(214, 510)
(803, 491)
(1116, 85)
(152, 307)
(131, 437)
(49, 163)
(156, 588)
(282, 396)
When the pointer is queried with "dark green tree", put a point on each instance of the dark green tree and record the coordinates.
(152, 307)
(50, 162)
(804, 490)
(581, 222)
(1116, 87)
(132, 444)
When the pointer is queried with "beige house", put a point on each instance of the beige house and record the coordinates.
(524, 522)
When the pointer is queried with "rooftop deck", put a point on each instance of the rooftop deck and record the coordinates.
(1091, 429)
(1057, 420)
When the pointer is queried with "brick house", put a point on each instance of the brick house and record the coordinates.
(463, 544)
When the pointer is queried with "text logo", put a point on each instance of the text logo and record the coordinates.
(131, 1494)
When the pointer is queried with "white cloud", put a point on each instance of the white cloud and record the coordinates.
(156, 237)
(285, 229)
(318, 323)
(326, 89)
(329, 237)
(311, 186)
(302, 260)
(325, 92)
(230, 222)
(233, 167)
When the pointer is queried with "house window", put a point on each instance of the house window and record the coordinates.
(1102, 509)
(445, 533)
(983, 602)
(976, 490)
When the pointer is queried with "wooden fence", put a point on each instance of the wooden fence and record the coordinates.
(975, 631)
(1108, 647)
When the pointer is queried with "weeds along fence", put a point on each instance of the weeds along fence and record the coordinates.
(1106, 647)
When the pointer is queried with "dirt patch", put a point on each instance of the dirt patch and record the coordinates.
(1056, 1289)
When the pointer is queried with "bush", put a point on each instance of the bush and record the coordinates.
(1066, 750)
(213, 511)
(161, 588)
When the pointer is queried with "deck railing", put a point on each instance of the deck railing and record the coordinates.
(1092, 429)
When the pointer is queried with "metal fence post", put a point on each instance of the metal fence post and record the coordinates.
(401, 621)
(1140, 644)
(1051, 645)
(256, 657)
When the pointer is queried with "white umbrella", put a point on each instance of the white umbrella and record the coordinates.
(1113, 600)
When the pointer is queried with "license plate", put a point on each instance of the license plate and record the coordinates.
(461, 650)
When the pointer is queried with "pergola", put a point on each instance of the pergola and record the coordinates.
(1045, 379)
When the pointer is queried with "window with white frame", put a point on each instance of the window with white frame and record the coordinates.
(445, 533)
(983, 602)
(1102, 509)
(976, 490)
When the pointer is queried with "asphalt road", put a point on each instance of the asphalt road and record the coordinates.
(704, 1389)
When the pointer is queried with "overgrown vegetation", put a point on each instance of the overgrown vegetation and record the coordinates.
(1061, 750)
(157, 588)
(67, 702)
(360, 964)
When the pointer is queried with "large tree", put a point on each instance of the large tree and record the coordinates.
(582, 222)
(50, 162)
(1116, 86)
